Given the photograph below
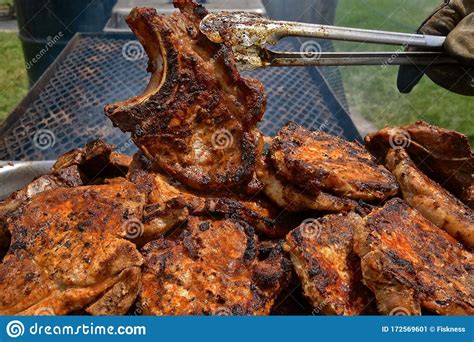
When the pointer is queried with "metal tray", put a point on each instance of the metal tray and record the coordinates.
(15, 175)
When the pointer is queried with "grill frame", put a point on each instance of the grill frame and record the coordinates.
(13, 135)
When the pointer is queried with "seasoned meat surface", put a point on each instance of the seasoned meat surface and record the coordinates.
(214, 268)
(322, 255)
(430, 199)
(196, 119)
(293, 198)
(444, 155)
(191, 225)
(69, 251)
(170, 203)
(96, 160)
(323, 162)
(69, 176)
(410, 264)
(83, 166)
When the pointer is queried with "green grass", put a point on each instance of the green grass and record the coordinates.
(13, 79)
(372, 92)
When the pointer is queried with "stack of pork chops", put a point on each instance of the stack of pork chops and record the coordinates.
(213, 218)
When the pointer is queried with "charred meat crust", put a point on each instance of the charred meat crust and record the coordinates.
(291, 197)
(274, 268)
(64, 177)
(443, 155)
(324, 162)
(430, 199)
(171, 201)
(214, 268)
(229, 208)
(402, 271)
(216, 207)
(69, 247)
(323, 257)
(96, 161)
(119, 298)
(195, 101)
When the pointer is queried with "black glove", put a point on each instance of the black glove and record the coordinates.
(454, 19)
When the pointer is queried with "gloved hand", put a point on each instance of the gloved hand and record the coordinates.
(454, 19)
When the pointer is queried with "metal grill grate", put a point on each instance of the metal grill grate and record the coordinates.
(64, 110)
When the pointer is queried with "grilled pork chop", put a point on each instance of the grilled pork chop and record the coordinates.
(411, 264)
(323, 162)
(61, 178)
(197, 117)
(89, 165)
(444, 155)
(293, 198)
(69, 251)
(322, 255)
(214, 268)
(171, 202)
(430, 199)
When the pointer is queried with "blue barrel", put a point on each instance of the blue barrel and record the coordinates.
(47, 25)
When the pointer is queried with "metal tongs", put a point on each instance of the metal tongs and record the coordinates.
(249, 34)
